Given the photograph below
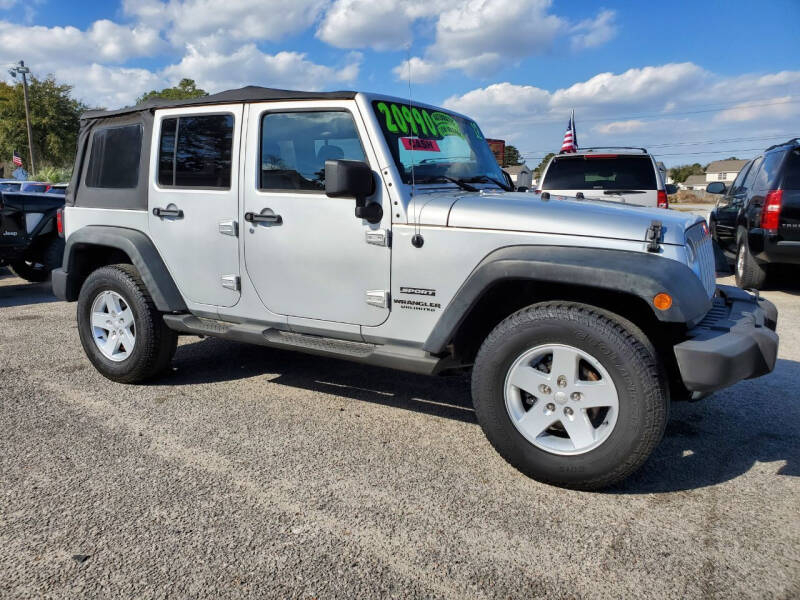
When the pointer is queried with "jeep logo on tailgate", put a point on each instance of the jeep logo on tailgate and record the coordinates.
(417, 291)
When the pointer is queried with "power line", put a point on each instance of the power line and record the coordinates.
(699, 143)
(722, 107)
(526, 157)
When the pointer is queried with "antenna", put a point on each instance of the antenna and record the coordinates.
(416, 240)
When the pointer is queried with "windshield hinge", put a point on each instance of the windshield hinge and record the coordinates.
(653, 238)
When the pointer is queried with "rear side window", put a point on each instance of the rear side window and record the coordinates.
(114, 159)
(295, 146)
(791, 171)
(770, 171)
(600, 173)
(195, 151)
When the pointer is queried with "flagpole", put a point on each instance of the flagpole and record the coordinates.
(21, 69)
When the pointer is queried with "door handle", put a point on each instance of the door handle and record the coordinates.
(269, 217)
(168, 212)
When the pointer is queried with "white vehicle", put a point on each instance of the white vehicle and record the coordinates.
(628, 175)
(358, 226)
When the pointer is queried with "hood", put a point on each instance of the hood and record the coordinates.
(515, 211)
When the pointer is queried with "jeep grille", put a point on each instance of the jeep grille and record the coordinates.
(699, 239)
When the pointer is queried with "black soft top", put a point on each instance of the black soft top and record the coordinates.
(250, 93)
(142, 115)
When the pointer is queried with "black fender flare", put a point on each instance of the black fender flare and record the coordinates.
(137, 246)
(636, 273)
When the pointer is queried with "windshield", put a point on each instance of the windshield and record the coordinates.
(600, 173)
(438, 144)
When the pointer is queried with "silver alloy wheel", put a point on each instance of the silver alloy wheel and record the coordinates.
(569, 408)
(740, 262)
(113, 326)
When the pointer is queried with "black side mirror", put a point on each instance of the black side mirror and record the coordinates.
(671, 188)
(353, 179)
(716, 187)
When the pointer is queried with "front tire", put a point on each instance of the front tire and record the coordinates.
(122, 332)
(569, 395)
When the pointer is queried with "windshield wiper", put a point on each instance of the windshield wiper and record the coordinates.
(462, 184)
(480, 178)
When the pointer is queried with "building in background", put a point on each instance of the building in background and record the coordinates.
(522, 177)
(695, 183)
(724, 170)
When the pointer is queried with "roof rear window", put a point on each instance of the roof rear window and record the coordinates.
(114, 160)
(600, 173)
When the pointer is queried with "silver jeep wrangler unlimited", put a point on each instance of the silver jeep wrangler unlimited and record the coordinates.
(362, 227)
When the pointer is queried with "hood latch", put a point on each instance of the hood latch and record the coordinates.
(654, 236)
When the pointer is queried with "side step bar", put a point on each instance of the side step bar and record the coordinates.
(393, 357)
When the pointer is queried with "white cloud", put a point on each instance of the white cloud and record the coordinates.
(6, 4)
(215, 71)
(479, 37)
(226, 24)
(592, 33)
(422, 71)
(109, 87)
(634, 86)
(621, 126)
(51, 47)
(377, 24)
(654, 105)
(774, 108)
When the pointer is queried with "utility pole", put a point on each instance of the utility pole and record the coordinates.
(21, 69)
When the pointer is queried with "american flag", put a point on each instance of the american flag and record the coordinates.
(570, 143)
(17, 159)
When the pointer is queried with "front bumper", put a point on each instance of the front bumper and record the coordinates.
(735, 340)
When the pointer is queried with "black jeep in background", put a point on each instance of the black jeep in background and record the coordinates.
(756, 222)
(29, 238)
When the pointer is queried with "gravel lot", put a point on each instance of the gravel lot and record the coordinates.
(250, 472)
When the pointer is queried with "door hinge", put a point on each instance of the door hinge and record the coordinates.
(230, 282)
(379, 237)
(229, 228)
(379, 298)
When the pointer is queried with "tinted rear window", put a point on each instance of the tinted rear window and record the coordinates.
(10, 186)
(612, 173)
(770, 171)
(791, 171)
(114, 161)
(195, 151)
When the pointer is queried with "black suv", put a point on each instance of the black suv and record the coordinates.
(30, 228)
(757, 219)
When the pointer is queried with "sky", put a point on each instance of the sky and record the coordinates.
(692, 81)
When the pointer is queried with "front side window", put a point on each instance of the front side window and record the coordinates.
(295, 146)
(433, 145)
(114, 159)
(620, 172)
(751, 175)
(195, 151)
(737, 184)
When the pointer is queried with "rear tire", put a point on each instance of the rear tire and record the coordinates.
(38, 268)
(540, 426)
(114, 305)
(749, 274)
(30, 270)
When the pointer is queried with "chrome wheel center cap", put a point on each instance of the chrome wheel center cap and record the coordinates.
(561, 397)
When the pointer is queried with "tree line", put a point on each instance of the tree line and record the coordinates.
(55, 120)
